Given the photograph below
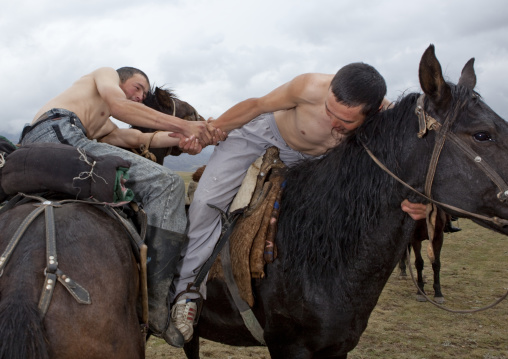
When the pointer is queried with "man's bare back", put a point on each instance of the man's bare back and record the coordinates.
(97, 96)
(84, 100)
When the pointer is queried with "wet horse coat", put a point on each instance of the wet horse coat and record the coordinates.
(341, 231)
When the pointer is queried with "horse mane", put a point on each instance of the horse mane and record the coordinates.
(151, 99)
(330, 202)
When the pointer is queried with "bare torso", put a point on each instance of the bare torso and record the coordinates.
(84, 100)
(307, 128)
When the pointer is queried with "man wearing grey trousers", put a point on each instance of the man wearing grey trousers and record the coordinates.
(303, 118)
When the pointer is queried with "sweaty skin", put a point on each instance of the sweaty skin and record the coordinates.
(309, 118)
(97, 96)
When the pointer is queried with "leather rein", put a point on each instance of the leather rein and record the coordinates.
(427, 122)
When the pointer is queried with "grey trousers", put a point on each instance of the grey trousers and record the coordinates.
(157, 188)
(218, 185)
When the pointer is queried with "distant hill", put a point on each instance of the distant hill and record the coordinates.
(188, 163)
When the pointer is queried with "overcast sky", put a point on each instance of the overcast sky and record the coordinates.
(214, 54)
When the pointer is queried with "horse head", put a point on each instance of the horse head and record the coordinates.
(471, 145)
(165, 101)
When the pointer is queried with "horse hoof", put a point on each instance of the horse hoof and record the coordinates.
(439, 300)
(420, 298)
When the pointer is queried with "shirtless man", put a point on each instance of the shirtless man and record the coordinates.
(304, 118)
(80, 116)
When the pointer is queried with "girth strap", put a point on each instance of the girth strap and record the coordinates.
(52, 271)
(229, 225)
(17, 236)
(249, 319)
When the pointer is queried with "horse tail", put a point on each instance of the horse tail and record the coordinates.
(21, 329)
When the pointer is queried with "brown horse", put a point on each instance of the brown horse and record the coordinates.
(341, 232)
(421, 234)
(93, 250)
(165, 101)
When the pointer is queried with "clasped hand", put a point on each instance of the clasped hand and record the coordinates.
(202, 134)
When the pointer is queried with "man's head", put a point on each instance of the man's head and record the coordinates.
(134, 83)
(356, 92)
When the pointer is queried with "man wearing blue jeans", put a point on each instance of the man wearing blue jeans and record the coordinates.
(80, 116)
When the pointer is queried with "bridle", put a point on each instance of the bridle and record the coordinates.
(427, 122)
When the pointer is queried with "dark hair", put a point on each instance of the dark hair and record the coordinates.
(126, 73)
(359, 84)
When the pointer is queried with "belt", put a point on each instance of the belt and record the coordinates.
(53, 116)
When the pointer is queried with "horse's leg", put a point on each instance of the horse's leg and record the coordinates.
(417, 247)
(191, 348)
(402, 263)
(298, 352)
(289, 352)
(437, 244)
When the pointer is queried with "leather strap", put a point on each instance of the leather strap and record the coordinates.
(248, 316)
(230, 224)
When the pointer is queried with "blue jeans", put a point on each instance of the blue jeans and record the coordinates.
(160, 190)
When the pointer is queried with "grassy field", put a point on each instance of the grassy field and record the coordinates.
(474, 274)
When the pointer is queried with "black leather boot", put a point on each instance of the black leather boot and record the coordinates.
(164, 248)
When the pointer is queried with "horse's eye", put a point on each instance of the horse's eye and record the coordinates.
(482, 136)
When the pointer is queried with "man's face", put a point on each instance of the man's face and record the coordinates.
(135, 88)
(343, 119)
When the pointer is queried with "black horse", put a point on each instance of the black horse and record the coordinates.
(341, 231)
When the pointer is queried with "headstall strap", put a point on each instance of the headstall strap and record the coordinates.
(426, 122)
(422, 120)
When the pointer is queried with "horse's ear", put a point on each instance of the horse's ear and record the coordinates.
(432, 81)
(163, 98)
(468, 76)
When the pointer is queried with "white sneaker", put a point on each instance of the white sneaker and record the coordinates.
(182, 315)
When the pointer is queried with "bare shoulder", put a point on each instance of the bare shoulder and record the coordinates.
(104, 74)
(311, 87)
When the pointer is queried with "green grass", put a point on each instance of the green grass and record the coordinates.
(474, 273)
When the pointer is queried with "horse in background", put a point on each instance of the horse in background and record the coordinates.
(421, 234)
(341, 233)
(165, 101)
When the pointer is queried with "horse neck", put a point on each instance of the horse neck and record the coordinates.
(335, 208)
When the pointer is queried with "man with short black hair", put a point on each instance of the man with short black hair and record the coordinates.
(304, 118)
(80, 117)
